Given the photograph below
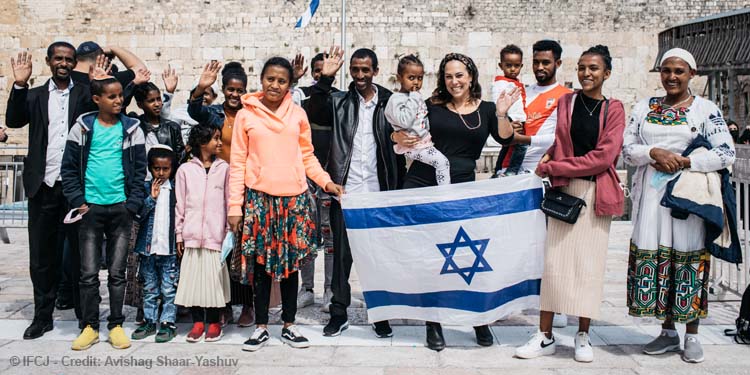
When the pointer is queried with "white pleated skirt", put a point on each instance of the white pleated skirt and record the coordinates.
(575, 258)
(204, 280)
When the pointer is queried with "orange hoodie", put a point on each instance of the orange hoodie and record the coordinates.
(271, 152)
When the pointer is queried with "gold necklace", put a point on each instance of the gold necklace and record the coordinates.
(473, 127)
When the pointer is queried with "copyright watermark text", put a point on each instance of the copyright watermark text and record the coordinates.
(122, 361)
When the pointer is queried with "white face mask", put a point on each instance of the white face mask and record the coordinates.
(72, 216)
(661, 179)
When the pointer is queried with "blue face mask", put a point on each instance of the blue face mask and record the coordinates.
(660, 179)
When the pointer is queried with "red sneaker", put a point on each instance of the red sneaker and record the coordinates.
(196, 334)
(214, 332)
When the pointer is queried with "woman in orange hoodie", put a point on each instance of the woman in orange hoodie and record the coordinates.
(272, 153)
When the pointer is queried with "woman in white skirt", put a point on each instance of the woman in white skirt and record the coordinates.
(581, 163)
(669, 264)
(200, 226)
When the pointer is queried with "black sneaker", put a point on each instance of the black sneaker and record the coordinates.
(484, 335)
(291, 336)
(258, 339)
(382, 329)
(335, 326)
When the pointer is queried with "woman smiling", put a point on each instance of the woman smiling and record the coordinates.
(581, 163)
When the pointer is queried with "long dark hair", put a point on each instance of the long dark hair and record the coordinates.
(441, 96)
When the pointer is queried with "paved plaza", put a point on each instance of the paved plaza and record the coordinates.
(616, 338)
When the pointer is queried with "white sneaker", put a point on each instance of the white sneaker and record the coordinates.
(326, 300)
(305, 298)
(537, 346)
(584, 351)
(560, 321)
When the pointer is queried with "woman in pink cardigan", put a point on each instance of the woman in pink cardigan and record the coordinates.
(581, 162)
(272, 154)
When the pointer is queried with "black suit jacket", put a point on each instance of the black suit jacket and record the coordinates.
(30, 107)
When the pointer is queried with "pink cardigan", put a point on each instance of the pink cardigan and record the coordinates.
(599, 162)
(201, 211)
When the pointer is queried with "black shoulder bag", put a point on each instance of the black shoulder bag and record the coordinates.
(565, 207)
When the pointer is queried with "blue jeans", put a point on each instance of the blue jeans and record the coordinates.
(160, 274)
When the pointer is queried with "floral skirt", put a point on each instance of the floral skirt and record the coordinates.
(278, 232)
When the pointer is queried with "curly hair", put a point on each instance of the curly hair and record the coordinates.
(200, 135)
(441, 96)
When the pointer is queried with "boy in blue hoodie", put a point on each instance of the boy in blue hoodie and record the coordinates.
(103, 168)
(156, 247)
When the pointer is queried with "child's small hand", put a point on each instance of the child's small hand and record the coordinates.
(333, 61)
(83, 209)
(142, 76)
(156, 188)
(180, 249)
(300, 69)
(169, 76)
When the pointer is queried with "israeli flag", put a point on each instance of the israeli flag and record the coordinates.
(463, 254)
(305, 18)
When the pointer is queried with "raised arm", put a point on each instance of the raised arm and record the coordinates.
(17, 112)
(318, 106)
(130, 60)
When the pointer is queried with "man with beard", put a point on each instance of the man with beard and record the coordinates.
(541, 112)
(49, 110)
(541, 103)
(361, 159)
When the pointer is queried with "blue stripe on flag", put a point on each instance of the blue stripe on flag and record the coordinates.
(305, 18)
(441, 212)
(455, 299)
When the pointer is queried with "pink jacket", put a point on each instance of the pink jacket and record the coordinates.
(599, 162)
(201, 212)
(272, 152)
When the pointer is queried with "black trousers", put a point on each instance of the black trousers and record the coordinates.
(47, 234)
(114, 221)
(262, 282)
(342, 263)
(205, 314)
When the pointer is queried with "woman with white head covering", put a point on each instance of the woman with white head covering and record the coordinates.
(669, 264)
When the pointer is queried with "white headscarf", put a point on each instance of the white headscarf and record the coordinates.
(682, 54)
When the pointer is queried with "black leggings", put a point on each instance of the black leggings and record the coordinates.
(205, 314)
(262, 285)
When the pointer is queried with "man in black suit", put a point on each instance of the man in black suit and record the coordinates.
(50, 110)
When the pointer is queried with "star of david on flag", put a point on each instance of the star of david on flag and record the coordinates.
(464, 254)
(477, 247)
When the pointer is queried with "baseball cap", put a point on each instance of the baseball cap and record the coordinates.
(86, 48)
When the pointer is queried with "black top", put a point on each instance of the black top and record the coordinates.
(460, 141)
(584, 126)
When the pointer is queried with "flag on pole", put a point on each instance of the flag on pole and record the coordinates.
(466, 254)
(305, 18)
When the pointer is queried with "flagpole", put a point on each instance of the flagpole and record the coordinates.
(342, 72)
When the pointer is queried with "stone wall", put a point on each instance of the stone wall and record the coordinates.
(187, 33)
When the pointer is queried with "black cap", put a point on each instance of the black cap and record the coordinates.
(86, 48)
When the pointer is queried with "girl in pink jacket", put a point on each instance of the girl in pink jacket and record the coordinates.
(200, 226)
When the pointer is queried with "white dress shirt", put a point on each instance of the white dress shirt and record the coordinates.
(160, 233)
(57, 131)
(363, 168)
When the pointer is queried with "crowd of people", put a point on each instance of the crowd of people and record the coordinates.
(205, 206)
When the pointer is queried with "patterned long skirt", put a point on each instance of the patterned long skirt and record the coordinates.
(278, 232)
(668, 267)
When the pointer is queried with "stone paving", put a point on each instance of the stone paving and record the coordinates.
(616, 337)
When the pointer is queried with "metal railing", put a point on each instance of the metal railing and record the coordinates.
(13, 204)
(728, 281)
